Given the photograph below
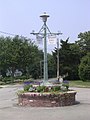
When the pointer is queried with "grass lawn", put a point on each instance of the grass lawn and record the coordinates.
(79, 83)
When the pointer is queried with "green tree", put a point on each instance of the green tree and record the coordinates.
(34, 67)
(51, 66)
(84, 42)
(19, 53)
(69, 59)
(3, 67)
(84, 68)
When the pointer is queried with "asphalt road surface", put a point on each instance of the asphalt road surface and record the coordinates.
(9, 110)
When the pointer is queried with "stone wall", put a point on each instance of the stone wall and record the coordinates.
(46, 99)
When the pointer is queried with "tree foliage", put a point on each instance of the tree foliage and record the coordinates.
(22, 54)
(51, 66)
(84, 42)
(69, 58)
(70, 55)
(19, 53)
(84, 68)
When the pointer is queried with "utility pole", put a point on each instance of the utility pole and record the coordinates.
(58, 59)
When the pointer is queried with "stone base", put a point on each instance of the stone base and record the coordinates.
(47, 99)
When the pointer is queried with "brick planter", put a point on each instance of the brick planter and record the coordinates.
(46, 99)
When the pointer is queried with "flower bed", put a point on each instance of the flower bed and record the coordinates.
(36, 99)
(36, 94)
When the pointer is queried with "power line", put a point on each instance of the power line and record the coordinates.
(7, 33)
(11, 34)
(21, 36)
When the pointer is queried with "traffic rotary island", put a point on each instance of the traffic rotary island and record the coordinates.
(46, 99)
(43, 96)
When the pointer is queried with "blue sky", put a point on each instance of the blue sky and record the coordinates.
(68, 16)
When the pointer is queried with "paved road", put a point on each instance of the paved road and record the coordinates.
(10, 111)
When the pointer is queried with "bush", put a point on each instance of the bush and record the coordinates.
(55, 88)
(23, 77)
(8, 80)
(40, 88)
(31, 87)
(27, 87)
(66, 84)
(2, 83)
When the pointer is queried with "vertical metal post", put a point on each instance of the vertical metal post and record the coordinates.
(44, 18)
(58, 59)
(45, 28)
(45, 54)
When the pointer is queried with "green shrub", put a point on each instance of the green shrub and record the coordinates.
(8, 80)
(2, 83)
(40, 88)
(65, 85)
(55, 88)
(27, 87)
(23, 77)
